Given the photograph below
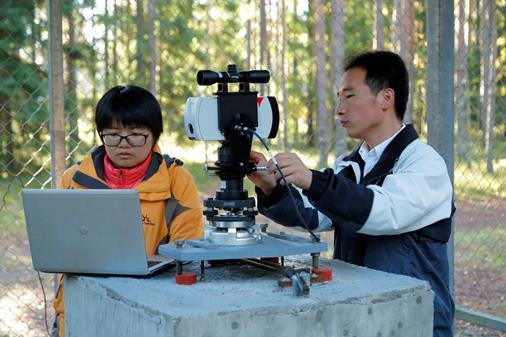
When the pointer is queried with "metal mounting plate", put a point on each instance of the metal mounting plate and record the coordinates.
(272, 245)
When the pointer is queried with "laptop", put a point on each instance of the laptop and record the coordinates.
(88, 232)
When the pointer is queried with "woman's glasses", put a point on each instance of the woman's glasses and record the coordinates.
(134, 140)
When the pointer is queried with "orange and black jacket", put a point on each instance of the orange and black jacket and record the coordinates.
(170, 204)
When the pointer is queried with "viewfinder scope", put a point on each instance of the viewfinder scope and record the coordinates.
(209, 77)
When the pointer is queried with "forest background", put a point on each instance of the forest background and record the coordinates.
(161, 45)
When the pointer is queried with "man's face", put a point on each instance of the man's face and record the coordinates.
(124, 154)
(358, 110)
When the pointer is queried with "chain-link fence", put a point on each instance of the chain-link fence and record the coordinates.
(480, 175)
(161, 44)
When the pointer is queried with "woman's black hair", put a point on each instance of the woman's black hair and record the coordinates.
(130, 106)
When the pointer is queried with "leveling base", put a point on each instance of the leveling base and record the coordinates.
(271, 245)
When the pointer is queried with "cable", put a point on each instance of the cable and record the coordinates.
(45, 304)
(288, 186)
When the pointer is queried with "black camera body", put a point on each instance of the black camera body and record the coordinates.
(223, 116)
(232, 118)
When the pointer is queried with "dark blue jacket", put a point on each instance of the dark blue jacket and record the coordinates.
(420, 253)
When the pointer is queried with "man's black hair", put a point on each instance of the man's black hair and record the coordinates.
(384, 69)
(130, 106)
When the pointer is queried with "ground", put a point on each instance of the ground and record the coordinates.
(480, 276)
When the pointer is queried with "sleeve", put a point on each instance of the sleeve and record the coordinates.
(340, 199)
(280, 208)
(187, 221)
(66, 180)
(417, 195)
(319, 217)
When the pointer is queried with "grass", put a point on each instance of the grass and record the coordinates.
(472, 182)
(482, 246)
(11, 211)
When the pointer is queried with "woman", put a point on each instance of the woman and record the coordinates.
(129, 122)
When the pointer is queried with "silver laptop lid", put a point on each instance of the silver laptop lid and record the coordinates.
(85, 231)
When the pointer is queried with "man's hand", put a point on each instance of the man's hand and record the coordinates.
(265, 180)
(293, 169)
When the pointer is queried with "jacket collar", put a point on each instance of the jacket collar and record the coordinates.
(93, 178)
(389, 157)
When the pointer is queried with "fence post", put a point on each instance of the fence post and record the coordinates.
(56, 101)
(440, 69)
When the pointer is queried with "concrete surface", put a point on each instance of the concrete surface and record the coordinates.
(244, 301)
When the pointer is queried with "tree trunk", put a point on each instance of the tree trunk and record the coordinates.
(263, 44)
(56, 89)
(94, 82)
(461, 83)
(409, 55)
(295, 117)
(492, 86)
(488, 32)
(263, 34)
(268, 37)
(160, 60)
(396, 26)
(254, 34)
(207, 61)
(139, 21)
(378, 40)
(71, 106)
(337, 44)
(275, 31)
(34, 128)
(115, 45)
(152, 46)
(311, 106)
(106, 46)
(128, 33)
(321, 92)
(484, 66)
(283, 76)
(403, 37)
(248, 40)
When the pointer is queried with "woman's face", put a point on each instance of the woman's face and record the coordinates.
(127, 147)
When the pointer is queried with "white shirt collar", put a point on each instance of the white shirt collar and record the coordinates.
(371, 157)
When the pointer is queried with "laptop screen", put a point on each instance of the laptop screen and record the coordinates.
(85, 231)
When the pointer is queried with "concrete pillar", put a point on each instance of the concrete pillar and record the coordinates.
(244, 301)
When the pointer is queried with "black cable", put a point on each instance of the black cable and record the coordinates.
(288, 186)
(45, 304)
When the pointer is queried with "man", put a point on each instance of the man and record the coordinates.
(390, 201)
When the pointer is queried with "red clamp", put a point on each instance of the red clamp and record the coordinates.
(324, 273)
(186, 279)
